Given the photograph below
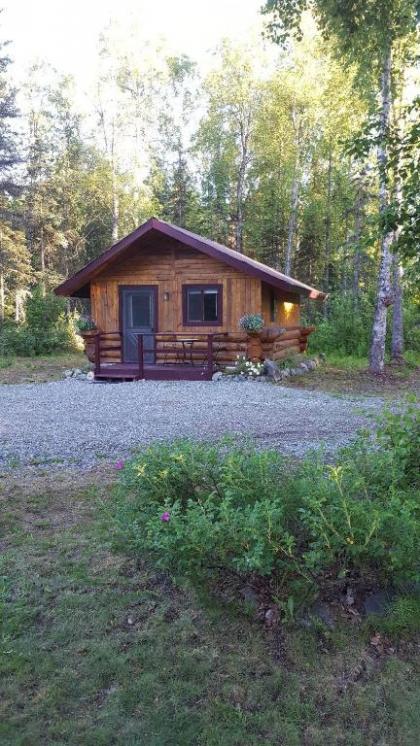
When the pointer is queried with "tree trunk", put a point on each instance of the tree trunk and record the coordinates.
(383, 296)
(357, 235)
(294, 197)
(245, 128)
(115, 207)
(397, 342)
(2, 297)
(328, 224)
(291, 228)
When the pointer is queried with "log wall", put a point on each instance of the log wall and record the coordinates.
(168, 265)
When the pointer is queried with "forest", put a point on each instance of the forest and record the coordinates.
(299, 148)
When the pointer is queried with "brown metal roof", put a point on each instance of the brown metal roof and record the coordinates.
(211, 248)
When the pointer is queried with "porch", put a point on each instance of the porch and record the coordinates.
(195, 357)
(159, 357)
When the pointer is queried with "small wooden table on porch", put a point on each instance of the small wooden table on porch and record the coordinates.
(187, 347)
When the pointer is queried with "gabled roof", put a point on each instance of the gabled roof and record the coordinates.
(211, 248)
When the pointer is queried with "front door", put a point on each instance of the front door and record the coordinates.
(138, 316)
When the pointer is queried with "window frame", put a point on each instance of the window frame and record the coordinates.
(274, 306)
(199, 286)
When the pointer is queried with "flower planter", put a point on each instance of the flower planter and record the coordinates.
(254, 347)
(89, 342)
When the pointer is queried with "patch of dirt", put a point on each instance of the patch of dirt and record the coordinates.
(40, 369)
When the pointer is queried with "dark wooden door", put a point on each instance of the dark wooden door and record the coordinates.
(138, 316)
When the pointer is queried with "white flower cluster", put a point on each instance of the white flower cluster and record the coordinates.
(247, 368)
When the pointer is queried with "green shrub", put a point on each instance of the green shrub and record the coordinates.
(47, 328)
(16, 340)
(347, 329)
(200, 509)
(402, 617)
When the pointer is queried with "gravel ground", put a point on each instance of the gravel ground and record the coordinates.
(80, 423)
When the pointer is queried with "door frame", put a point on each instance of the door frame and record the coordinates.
(121, 289)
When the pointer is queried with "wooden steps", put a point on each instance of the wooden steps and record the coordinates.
(130, 372)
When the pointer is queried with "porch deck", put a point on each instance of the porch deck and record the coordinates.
(130, 372)
(170, 357)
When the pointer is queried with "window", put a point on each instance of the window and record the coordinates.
(273, 306)
(202, 305)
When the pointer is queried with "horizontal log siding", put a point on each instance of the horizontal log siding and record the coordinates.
(169, 267)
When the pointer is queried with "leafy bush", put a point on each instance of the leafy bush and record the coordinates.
(85, 325)
(198, 508)
(346, 330)
(16, 340)
(402, 618)
(47, 328)
(348, 327)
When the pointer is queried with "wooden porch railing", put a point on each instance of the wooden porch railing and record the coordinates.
(197, 350)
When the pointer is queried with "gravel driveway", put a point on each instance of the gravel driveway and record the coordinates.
(76, 422)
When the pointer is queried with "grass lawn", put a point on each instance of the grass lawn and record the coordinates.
(350, 375)
(336, 375)
(97, 648)
(40, 369)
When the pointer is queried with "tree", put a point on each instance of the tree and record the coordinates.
(367, 33)
(15, 269)
(14, 260)
(233, 99)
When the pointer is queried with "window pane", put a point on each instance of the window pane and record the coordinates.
(140, 310)
(210, 305)
(195, 305)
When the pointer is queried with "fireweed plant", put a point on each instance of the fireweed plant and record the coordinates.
(203, 510)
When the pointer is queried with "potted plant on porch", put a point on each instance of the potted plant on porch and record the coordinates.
(88, 331)
(252, 324)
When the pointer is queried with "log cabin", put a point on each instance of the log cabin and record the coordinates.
(166, 304)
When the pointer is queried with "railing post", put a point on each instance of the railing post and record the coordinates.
(140, 349)
(97, 354)
(210, 355)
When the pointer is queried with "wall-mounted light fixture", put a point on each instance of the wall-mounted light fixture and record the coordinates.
(288, 307)
(166, 295)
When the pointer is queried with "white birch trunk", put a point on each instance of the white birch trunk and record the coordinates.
(294, 196)
(2, 297)
(328, 223)
(115, 210)
(245, 130)
(291, 228)
(357, 235)
(383, 296)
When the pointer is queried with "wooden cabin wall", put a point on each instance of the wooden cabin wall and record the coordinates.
(170, 268)
(287, 307)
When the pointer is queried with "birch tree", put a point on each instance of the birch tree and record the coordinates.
(368, 34)
(234, 96)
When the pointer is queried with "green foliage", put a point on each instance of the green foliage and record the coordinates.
(400, 437)
(251, 322)
(402, 618)
(346, 330)
(16, 340)
(200, 508)
(47, 328)
(86, 325)
(90, 638)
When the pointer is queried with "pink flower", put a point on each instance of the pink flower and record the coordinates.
(119, 464)
(165, 517)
